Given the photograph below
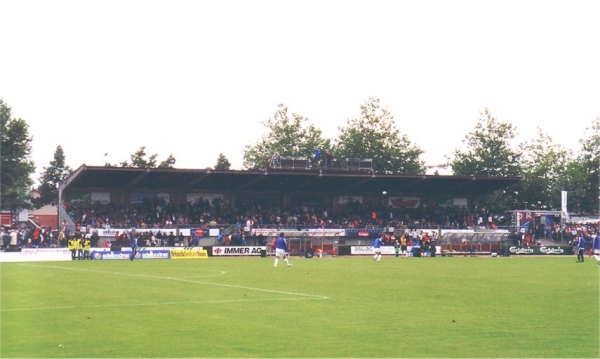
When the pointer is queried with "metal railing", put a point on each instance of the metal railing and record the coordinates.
(307, 162)
(64, 216)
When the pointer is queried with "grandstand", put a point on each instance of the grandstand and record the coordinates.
(290, 199)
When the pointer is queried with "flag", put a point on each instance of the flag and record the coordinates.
(563, 205)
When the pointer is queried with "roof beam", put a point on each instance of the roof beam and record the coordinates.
(137, 179)
(256, 180)
(196, 180)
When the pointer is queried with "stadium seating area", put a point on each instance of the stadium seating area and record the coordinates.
(158, 214)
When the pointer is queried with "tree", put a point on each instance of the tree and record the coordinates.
(139, 160)
(289, 137)
(575, 181)
(544, 164)
(373, 135)
(222, 163)
(587, 194)
(16, 164)
(489, 153)
(51, 178)
(168, 163)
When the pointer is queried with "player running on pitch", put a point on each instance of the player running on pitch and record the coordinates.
(596, 247)
(281, 249)
(377, 248)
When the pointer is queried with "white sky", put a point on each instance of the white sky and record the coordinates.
(198, 78)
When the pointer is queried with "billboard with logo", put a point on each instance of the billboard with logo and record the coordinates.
(189, 253)
(369, 250)
(237, 250)
(143, 254)
(541, 250)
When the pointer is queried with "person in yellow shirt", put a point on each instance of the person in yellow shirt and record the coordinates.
(72, 246)
(87, 248)
(79, 246)
(403, 247)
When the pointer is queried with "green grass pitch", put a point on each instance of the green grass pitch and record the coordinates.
(461, 307)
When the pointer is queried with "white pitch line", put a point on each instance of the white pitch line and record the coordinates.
(151, 304)
(308, 296)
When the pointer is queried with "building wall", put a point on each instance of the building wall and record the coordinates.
(46, 220)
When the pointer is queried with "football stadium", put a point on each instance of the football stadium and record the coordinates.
(451, 282)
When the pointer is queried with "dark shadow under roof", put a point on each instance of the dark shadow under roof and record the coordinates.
(280, 180)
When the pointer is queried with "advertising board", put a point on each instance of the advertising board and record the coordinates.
(189, 253)
(237, 250)
(120, 255)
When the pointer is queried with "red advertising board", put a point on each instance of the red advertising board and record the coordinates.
(6, 219)
(524, 216)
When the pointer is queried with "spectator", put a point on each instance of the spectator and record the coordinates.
(6, 238)
(275, 160)
(329, 160)
(95, 238)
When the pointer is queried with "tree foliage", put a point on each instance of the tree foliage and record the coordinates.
(168, 163)
(223, 163)
(51, 178)
(288, 136)
(587, 191)
(543, 164)
(139, 159)
(575, 181)
(488, 150)
(16, 164)
(374, 135)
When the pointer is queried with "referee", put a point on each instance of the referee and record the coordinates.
(134, 247)
(580, 247)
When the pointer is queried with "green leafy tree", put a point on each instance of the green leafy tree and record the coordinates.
(575, 181)
(373, 135)
(16, 165)
(288, 136)
(139, 159)
(544, 164)
(222, 163)
(168, 163)
(489, 152)
(51, 178)
(583, 183)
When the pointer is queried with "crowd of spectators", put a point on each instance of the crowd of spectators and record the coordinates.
(158, 214)
(25, 237)
(568, 233)
(203, 214)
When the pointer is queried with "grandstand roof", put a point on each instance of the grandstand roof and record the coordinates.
(283, 180)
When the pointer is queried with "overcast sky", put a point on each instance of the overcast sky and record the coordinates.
(198, 78)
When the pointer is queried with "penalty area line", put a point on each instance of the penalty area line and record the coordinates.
(314, 296)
